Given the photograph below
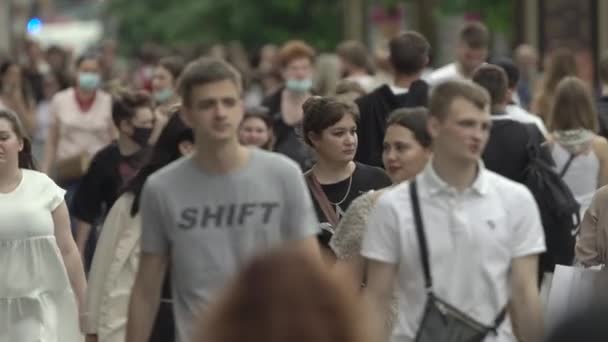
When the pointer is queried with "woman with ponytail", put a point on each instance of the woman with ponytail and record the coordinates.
(43, 283)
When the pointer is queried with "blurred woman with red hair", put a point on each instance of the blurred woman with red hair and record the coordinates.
(286, 297)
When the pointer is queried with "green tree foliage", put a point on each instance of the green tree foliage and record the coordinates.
(253, 22)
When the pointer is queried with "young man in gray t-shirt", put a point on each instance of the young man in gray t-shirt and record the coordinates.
(209, 213)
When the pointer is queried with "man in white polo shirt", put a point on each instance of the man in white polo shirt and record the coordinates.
(471, 52)
(483, 231)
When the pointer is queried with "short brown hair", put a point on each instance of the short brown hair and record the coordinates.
(355, 53)
(475, 35)
(409, 52)
(493, 79)
(603, 68)
(125, 104)
(414, 119)
(347, 86)
(286, 296)
(572, 107)
(204, 71)
(323, 112)
(445, 93)
(295, 49)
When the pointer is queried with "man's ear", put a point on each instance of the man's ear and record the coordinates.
(184, 114)
(432, 126)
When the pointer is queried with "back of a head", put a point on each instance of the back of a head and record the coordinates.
(205, 71)
(572, 107)
(510, 69)
(355, 53)
(475, 35)
(493, 79)
(285, 296)
(445, 93)
(409, 53)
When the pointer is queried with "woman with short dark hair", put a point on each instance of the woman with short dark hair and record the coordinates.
(335, 180)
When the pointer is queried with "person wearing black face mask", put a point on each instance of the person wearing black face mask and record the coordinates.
(113, 167)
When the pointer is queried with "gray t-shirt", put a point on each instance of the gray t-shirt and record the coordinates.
(211, 225)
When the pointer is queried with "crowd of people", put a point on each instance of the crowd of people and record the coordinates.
(296, 196)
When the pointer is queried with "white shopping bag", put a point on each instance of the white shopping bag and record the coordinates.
(573, 289)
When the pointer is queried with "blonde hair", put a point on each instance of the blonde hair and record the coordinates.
(572, 107)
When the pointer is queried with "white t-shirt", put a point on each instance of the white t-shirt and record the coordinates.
(515, 112)
(472, 237)
(445, 73)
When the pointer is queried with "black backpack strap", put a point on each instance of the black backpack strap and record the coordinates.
(424, 251)
(502, 315)
(567, 165)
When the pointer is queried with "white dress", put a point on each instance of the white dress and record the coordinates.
(37, 303)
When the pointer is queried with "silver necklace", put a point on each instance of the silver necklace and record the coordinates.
(350, 183)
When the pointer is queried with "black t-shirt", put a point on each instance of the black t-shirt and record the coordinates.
(101, 185)
(364, 178)
(506, 152)
(375, 109)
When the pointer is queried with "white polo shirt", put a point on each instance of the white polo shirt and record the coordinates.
(472, 237)
(445, 73)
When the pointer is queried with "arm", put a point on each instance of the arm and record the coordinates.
(145, 296)
(586, 250)
(600, 147)
(525, 307)
(83, 231)
(378, 295)
(50, 147)
(69, 252)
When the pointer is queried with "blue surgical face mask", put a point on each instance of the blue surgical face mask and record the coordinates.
(89, 80)
(162, 96)
(299, 86)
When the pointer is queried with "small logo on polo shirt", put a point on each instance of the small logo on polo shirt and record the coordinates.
(491, 224)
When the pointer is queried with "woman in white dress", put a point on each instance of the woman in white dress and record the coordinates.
(43, 280)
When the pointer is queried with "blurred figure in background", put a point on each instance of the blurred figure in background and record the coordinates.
(117, 256)
(256, 129)
(526, 59)
(285, 296)
(409, 55)
(164, 92)
(327, 74)
(580, 154)
(561, 64)
(112, 167)
(602, 101)
(356, 64)
(81, 125)
(51, 85)
(296, 59)
(513, 110)
(349, 90)
(471, 52)
(16, 94)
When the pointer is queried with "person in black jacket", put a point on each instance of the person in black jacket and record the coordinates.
(409, 55)
(113, 166)
(506, 152)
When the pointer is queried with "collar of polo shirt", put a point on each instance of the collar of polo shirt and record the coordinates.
(434, 185)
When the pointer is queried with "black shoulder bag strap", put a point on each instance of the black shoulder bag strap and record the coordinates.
(424, 250)
(567, 165)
